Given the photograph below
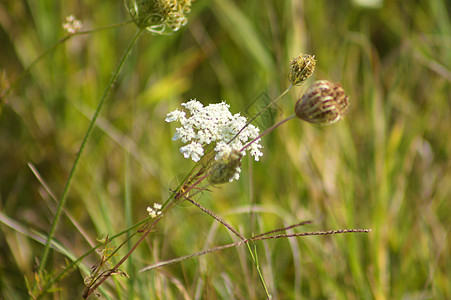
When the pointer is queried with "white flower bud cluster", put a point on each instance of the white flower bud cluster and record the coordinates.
(213, 124)
(155, 211)
(72, 25)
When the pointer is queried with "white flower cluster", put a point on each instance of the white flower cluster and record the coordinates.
(213, 124)
(72, 25)
(155, 211)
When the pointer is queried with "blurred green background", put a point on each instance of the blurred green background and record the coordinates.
(386, 166)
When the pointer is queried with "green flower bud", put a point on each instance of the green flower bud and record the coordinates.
(224, 170)
(159, 16)
(324, 103)
(301, 68)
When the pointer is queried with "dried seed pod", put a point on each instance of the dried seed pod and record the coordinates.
(301, 68)
(224, 170)
(324, 103)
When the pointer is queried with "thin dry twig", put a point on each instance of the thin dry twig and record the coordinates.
(253, 239)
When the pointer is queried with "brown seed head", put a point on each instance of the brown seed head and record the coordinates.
(324, 103)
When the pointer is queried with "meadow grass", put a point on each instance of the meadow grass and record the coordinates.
(385, 166)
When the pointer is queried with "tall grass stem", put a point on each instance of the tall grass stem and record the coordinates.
(62, 203)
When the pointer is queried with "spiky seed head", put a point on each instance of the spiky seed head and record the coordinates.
(224, 170)
(159, 16)
(301, 68)
(324, 103)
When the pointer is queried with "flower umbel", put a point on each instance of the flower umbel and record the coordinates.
(159, 16)
(155, 211)
(301, 68)
(324, 103)
(214, 127)
(72, 25)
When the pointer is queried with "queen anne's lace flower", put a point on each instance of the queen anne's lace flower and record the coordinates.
(215, 125)
(155, 211)
(195, 150)
(72, 25)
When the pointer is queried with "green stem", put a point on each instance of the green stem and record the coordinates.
(262, 111)
(34, 62)
(75, 263)
(62, 203)
(257, 266)
(53, 47)
(90, 289)
(268, 131)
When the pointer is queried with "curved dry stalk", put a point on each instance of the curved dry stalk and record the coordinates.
(253, 239)
(217, 218)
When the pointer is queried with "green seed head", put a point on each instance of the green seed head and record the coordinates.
(224, 170)
(301, 68)
(324, 103)
(159, 16)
